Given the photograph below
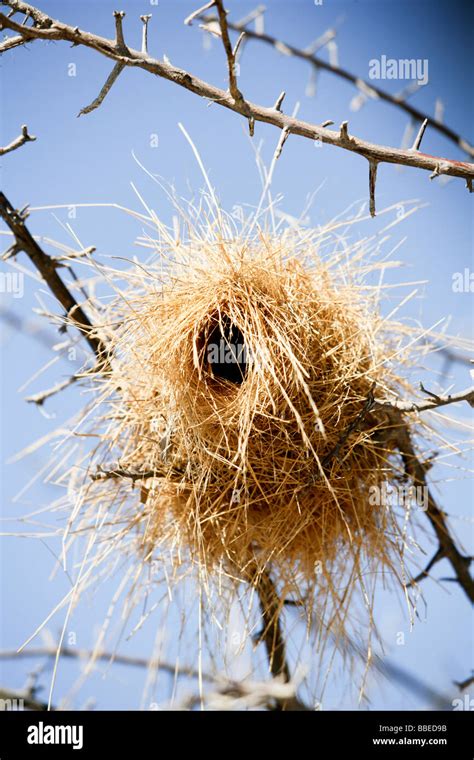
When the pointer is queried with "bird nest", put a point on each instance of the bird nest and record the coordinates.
(240, 431)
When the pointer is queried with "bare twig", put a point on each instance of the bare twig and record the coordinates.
(233, 89)
(195, 14)
(57, 30)
(432, 403)
(40, 398)
(367, 87)
(23, 138)
(415, 470)
(12, 42)
(114, 74)
(88, 654)
(48, 270)
(277, 692)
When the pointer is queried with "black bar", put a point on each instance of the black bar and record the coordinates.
(315, 734)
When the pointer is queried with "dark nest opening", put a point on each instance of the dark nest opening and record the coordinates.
(224, 353)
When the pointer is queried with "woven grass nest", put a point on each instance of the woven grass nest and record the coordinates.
(238, 431)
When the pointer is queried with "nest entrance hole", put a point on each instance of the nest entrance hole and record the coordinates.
(225, 355)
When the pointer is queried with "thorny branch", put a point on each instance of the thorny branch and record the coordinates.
(249, 693)
(233, 89)
(88, 654)
(277, 694)
(47, 267)
(433, 402)
(416, 471)
(46, 28)
(367, 88)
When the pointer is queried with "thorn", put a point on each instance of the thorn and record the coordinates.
(343, 133)
(441, 168)
(419, 137)
(238, 44)
(11, 251)
(119, 39)
(285, 133)
(372, 181)
(24, 132)
(279, 101)
(145, 20)
(469, 184)
(251, 126)
(189, 19)
(326, 123)
(428, 393)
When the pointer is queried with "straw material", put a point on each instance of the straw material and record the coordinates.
(270, 459)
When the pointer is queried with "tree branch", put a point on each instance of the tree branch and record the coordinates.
(114, 74)
(55, 30)
(23, 138)
(416, 471)
(87, 654)
(40, 398)
(367, 87)
(233, 89)
(12, 42)
(432, 403)
(447, 546)
(47, 267)
(272, 634)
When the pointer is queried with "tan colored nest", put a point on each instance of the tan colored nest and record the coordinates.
(270, 459)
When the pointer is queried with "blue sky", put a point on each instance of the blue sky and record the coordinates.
(89, 160)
